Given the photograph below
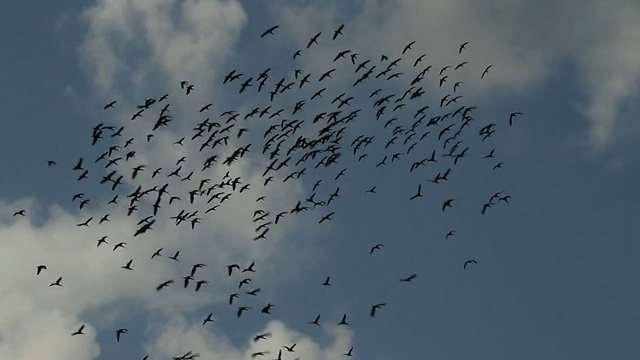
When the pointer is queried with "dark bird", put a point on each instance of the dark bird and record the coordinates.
(263, 336)
(490, 154)
(57, 282)
(119, 332)
(231, 267)
(269, 31)
(447, 203)
(39, 269)
(86, 222)
(408, 278)
(375, 247)
(175, 256)
(128, 265)
(199, 284)
(486, 71)
(343, 321)
(462, 47)
(267, 309)
(242, 309)
(349, 353)
(250, 268)
(417, 194)
(513, 115)
(315, 321)
(337, 32)
(313, 40)
(208, 319)
(164, 284)
(233, 296)
(289, 348)
(375, 307)
(79, 331)
(19, 212)
(408, 47)
(326, 281)
(469, 262)
(110, 105)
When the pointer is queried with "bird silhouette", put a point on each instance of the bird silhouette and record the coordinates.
(269, 31)
(80, 331)
(469, 262)
(119, 333)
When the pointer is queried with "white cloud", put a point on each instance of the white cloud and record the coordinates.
(179, 337)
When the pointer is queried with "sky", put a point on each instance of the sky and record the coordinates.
(555, 253)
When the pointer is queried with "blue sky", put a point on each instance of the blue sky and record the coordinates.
(557, 267)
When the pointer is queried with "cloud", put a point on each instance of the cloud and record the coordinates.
(528, 43)
(180, 337)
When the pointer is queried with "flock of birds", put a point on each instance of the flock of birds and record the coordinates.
(310, 140)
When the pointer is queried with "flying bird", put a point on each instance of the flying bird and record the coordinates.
(80, 331)
(269, 31)
(462, 47)
(40, 268)
(337, 32)
(469, 262)
(57, 282)
(486, 71)
(512, 116)
(375, 307)
(409, 278)
(119, 333)
(375, 247)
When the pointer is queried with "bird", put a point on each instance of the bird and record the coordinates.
(417, 194)
(375, 307)
(315, 321)
(349, 353)
(337, 32)
(408, 47)
(110, 104)
(313, 39)
(512, 116)
(326, 281)
(375, 247)
(469, 262)
(242, 309)
(269, 31)
(231, 267)
(267, 309)
(343, 321)
(175, 256)
(408, 278)
(262, 336)
(289, 348)
(57, 282)
(164, 284)
(119, 332)
(128, 265)
(208, 319)
(462, 47)
(80, 331)
(486, 71)
(20, 212)
(40, 268)
(447, 203)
